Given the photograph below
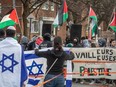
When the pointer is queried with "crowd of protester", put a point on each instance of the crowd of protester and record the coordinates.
(47, 41)
(85, 43)
(56, 55)
(78, 43)
(75, 42)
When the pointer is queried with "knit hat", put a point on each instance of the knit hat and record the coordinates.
(102, 42)
(86, 43)
(57, 40)
(11, 28)
(47, 36)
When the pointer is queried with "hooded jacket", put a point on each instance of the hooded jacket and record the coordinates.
(51, 56)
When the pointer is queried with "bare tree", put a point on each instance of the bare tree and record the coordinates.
(103, 9)
(29, 6)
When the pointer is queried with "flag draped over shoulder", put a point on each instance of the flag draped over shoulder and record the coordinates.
(112, 25)
(10, 19)
(62, 14)
(93, 23)
(13, 70)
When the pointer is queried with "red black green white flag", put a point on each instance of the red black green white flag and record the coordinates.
(112, 25)
(93, 23)
(62, 14)
(10, 19)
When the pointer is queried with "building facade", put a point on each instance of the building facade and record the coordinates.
(41, 19)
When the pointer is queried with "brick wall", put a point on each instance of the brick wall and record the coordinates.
(7, 5)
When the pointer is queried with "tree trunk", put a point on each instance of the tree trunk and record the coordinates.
(25, 32)
(25, 21)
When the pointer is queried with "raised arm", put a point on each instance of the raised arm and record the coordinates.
(69, 56)
(41, 53)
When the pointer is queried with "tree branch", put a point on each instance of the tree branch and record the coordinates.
(24, 1)
(37, 7)
(56, 2)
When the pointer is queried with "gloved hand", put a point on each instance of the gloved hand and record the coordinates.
(36, 50)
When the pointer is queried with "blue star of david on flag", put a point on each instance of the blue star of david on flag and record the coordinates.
(33, 82)
(5, 65)
(38, 69)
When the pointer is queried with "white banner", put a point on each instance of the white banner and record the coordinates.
(103, 66)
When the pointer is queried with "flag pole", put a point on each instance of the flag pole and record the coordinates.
(14, 7)
(89, 26)
(19, 26)
(97, 33)
(115, 11)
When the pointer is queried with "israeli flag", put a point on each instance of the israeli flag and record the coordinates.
(69, 76)
(36, 67)
(13, 71)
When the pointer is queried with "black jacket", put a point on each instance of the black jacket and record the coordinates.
(52, 56)
(45, 44)
(31, 45)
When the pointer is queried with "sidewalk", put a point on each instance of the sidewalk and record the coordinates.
(87, 85)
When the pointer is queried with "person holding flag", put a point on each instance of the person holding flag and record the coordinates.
(55, 61)
(13, 70)
(11, 19)
(112, 25)
(45, 42)
(92, 24)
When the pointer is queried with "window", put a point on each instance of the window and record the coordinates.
(45, 6)
(52, 6)
(35, 27)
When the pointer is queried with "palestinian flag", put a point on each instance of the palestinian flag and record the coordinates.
(93, 23)
(10, 19)
(112, 25)
(62, 15)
